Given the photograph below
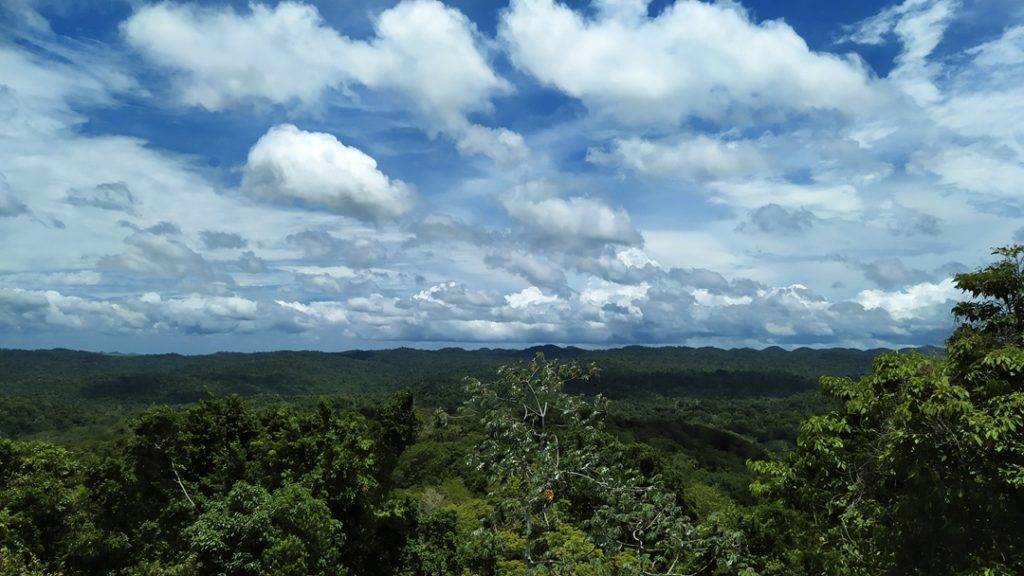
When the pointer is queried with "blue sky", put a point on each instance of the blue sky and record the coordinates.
(190, 177)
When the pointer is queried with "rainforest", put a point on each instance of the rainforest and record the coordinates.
(511, 288)
(554, 460)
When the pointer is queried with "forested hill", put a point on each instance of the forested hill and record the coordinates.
(625, 371)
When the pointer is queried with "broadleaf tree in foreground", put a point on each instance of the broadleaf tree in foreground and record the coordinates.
(567, 494)
(921, 469)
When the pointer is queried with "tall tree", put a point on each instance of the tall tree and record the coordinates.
(566, 491)
(921, 470)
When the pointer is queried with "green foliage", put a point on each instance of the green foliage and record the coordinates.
(997, 308)
(914, 468)
(220, 488)
(40, 505)
(920, 469)
(568, 490)
(85, 381)
(252, 531)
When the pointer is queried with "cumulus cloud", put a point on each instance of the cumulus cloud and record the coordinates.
(774, 219)
(500, 144)
(287, 53)
(251, 263)
(602, 312)
(201, 314)
(613, 263)
(442, 228)
(973, 101)
(214, 239)
(899, 220)
(530, 297)
(457, 297)
(919, 224)
(910, 302)
(996, 171)
(615, 299)
(314, 169)
(694, 59)
(157, 251)
(575, 221)
(319, 244)
(316, 314)
(698, 158)
(795, 148)
(892, 273)
(534, 269)
(223, 57)
(50, 310)
(28, 310)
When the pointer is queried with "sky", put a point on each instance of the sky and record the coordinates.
(200, 176)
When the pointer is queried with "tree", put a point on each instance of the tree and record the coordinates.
(566, 498)
(287, 532)
(997, 307)
(921, 470)
(41, 506)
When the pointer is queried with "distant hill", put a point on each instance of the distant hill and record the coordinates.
(173, 378)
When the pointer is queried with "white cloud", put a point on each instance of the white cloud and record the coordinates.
(635, 258)
(573, 221)
(980, 168)
(499, 144)
(919, 25)
(920, 31)
(601, 293)
(697, 157)
(40, 310)
(425, 52)
(533, 268)
(431, 53)
(318, 312)
(39, 93)
(693, 59)
(278, 54)
(29, 310)
(445, 229)
(529, 297)
(363, 252)
(942, 172)
(158, 255)
(705, 297)
(910, 302)
(456, 296)
(315, 169)
(824, 198)
(201, 314)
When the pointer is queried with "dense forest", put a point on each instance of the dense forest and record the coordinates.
(560, 461)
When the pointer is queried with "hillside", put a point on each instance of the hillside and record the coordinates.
(173, 378)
